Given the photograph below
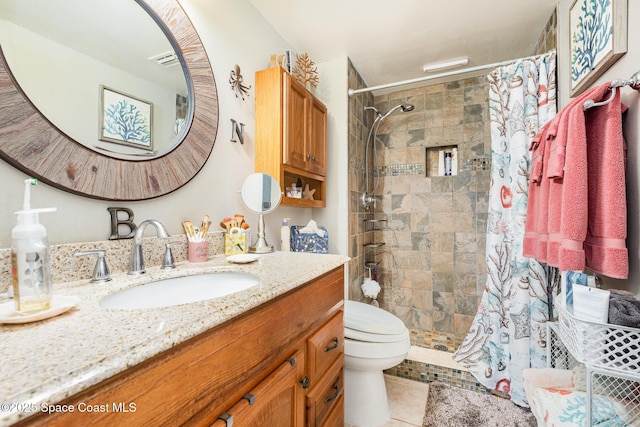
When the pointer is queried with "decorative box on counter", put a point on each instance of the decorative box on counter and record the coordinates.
(235, 242)
(309, 238)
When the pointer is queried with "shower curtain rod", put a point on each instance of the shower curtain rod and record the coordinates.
(437, 76)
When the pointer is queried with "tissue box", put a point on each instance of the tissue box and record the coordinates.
(309, 242)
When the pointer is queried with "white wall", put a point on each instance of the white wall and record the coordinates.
(624, 68)
(232, 32)
(68, 92)
(332, 90)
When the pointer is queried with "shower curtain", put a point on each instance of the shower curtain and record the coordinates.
(508, 333)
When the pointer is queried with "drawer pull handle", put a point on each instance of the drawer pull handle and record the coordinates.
(227, 418)
(292, 361)
(250, 398)
(333, 346)
(334, 395)
(305, 382)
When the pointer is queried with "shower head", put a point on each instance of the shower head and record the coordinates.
(404, 107)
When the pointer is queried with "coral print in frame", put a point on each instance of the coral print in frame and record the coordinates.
(125, 120)
(598, 38)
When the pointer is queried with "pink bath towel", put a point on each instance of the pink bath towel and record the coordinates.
(558, 131)
(556, 169)
(576, 215)
(535, 238)
(548, 147)
(605, 243)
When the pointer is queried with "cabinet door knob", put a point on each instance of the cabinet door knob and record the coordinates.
(332, 346)
(336, 386)
(305, 382)
(308, 156)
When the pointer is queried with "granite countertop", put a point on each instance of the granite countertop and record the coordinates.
(47, 361)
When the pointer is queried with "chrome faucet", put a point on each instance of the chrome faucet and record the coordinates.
(137, 260)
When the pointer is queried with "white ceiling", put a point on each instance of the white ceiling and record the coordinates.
(390, 41)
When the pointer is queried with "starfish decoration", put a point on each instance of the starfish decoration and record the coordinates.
(308, 194)
(521, 324)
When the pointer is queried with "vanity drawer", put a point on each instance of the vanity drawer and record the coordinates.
(326, 397)
(278, 400)
(324, 347)
(336, 416)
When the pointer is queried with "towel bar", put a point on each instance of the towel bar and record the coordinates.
(633, 82)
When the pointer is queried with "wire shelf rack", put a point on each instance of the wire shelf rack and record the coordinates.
(595, 347)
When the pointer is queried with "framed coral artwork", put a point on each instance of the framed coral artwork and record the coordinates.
(598, 38)
(125, 120)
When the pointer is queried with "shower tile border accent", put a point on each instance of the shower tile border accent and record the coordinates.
(474, 164)
(426, 373)
(478, 164)
(402, 169)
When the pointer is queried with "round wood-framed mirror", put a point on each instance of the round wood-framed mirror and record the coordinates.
(30, 142)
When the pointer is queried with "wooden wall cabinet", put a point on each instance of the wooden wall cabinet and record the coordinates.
(291, 134)
(279, 364)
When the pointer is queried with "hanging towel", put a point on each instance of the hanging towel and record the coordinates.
(548, 147)
(558, 130)
(593, 208)
(576, 215)
(605, 243)
(556, 170)
(535, 236)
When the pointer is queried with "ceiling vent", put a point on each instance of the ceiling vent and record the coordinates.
(166, 59)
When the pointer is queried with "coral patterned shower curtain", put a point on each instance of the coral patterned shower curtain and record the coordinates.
(508, 333)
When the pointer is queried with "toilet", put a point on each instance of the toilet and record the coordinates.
(374, 340)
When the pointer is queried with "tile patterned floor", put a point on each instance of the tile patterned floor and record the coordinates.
(407, 399)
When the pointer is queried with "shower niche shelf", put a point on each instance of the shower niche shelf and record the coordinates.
(436, 159)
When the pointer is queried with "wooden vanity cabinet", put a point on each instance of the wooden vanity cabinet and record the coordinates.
(291, 134)
(276, 401)
(254, 368)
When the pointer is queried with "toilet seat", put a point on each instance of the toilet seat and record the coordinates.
(366, 323)
(376, 350)
(372, 320)
(376, 338)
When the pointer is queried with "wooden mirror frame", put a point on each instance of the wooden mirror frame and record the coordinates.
(34, 145)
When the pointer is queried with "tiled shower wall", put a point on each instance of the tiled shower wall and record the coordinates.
(359, 124)
(432, 267)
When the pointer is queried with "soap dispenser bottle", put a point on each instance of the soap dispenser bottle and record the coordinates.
(30, 258)
(285, 236)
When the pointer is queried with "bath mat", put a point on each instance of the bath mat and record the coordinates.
(449, 406)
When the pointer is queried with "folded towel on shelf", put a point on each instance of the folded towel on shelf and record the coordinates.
(624, 310)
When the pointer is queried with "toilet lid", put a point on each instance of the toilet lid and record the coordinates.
(371, 320)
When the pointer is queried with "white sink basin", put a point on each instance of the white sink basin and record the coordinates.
(180, 290)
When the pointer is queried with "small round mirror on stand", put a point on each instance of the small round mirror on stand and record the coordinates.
(261, 194)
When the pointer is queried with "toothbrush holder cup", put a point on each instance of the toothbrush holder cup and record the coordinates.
(198, 251)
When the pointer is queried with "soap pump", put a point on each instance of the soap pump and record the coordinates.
(30, 258)
(285, 236)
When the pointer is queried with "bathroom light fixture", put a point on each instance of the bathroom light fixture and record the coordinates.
(445, 65)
